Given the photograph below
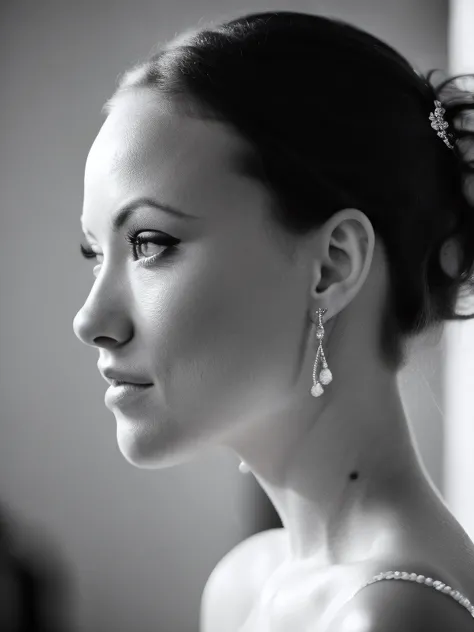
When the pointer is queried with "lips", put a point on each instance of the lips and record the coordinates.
(116, 377)
(126, 394)
(121, 383)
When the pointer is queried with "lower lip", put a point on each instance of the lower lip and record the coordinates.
(116, 395)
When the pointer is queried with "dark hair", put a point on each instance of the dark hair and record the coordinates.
(335, 118)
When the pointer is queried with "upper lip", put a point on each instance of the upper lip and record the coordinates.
(114, 375)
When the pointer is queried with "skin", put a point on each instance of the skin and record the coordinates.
(223, 330)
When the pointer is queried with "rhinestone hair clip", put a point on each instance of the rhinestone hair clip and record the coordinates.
(439, 124)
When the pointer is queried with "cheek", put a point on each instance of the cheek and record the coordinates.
(224, 337)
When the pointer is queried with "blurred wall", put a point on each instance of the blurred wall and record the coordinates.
(459, 337)
(138, 545)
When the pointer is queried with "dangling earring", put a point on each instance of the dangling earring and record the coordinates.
(325, 376)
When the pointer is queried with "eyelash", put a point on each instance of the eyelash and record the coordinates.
(134, 239)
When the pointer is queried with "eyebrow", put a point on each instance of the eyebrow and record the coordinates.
(122, 216)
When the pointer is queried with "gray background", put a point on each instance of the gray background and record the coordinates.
(136, 546)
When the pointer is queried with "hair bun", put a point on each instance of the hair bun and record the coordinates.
(456, 253)
(450, 257)
(457, 97)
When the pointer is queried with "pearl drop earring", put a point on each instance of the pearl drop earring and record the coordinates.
(325, 376)
(244, 468)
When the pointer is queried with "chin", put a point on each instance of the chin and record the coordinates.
(147, 447)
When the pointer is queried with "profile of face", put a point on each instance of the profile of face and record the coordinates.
(209, 308)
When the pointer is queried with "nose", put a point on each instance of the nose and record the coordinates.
(101, 321)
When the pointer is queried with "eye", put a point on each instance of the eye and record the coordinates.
(166, 243)
(136, 240)
(87, 252)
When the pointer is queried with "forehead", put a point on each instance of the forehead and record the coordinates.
(146, 146)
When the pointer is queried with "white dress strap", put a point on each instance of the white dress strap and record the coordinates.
(427, 581)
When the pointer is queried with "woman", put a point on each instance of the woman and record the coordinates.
(302, 193)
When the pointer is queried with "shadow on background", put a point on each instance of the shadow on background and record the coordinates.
(35, 586)
(260, 512)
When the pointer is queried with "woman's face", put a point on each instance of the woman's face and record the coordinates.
(215, 323)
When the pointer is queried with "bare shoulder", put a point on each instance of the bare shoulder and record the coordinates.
(393, 605)
(268, 543)
(264, 549)
(230, 590)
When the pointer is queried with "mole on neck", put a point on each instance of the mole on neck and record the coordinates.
(354, 475)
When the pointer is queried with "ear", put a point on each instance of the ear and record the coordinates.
(396, 605)
(344, 249)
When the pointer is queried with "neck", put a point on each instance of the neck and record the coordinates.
(337, 470)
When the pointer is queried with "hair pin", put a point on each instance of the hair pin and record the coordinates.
(439, 124)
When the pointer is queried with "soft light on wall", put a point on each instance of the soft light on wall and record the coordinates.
(459, 337)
